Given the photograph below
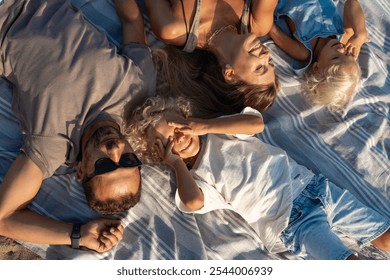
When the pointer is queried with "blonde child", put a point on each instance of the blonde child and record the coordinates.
(326, 46)
(220, 165)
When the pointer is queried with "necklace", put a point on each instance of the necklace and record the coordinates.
(218, 31)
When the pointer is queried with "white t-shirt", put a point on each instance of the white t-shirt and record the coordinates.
(255, 179)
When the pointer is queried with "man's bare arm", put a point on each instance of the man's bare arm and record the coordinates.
(20, 185)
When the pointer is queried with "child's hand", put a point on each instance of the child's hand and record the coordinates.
(166, 153)
(354, 44)
(190, 126)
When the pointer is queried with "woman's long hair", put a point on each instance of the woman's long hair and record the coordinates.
(197, 76)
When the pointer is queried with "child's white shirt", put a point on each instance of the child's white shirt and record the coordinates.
(255, 179)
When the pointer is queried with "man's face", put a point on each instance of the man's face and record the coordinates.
(107, 149)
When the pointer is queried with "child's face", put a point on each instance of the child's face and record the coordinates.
(184, 145)
(334, 53)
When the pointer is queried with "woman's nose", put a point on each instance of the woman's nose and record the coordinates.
(264, 52)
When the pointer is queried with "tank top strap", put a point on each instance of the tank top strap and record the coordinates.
(244, 25)
(192, 36)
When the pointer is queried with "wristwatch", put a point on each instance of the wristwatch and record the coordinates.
(75, 236)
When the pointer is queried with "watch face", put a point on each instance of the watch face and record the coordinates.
(75, 236)
(76, 231)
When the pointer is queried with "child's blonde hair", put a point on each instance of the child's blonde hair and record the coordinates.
(333, 87)
(148, 116)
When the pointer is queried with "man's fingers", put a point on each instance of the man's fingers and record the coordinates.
(117, 233)
(120, 228)
(109, 239)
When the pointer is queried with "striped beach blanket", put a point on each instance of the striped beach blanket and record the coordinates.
(351, 147)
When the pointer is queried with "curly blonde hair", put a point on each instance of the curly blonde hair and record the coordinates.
(333, 87)
(148, 116)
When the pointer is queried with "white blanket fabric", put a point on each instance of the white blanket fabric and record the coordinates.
(352, 148)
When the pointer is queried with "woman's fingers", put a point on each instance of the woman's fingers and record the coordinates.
(177, 124)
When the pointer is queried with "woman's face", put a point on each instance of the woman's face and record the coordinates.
(251, 62)
(185, 146)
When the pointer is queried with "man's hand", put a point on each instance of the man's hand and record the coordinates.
(101, 235)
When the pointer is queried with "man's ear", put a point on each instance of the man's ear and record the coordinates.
(229, 74)
(79, 172)
(314, 68)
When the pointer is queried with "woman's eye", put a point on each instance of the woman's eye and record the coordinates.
(260, 67)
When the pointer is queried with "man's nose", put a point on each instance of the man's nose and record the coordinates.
(115, 152)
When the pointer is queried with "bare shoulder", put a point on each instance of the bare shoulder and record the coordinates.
(262, 13)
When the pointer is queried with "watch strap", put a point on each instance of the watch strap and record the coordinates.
(75, 236)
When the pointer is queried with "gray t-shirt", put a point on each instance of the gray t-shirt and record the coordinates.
(66, 76)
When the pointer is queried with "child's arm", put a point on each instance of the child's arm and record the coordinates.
(289, 45)
(233, 124)
(165, 24)
(133, 28)
(190, 194)
(355, 27)
(262, 16)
